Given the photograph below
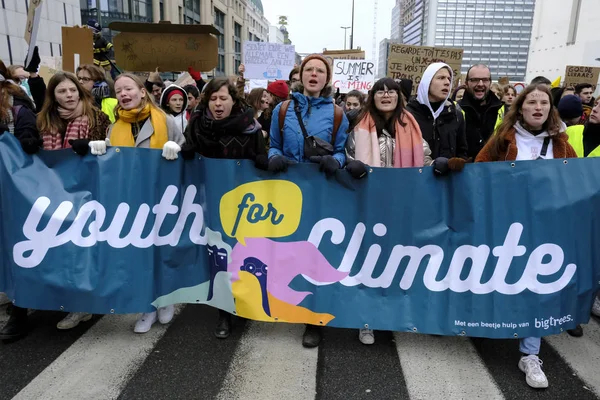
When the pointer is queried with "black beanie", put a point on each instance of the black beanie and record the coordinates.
(570, 107)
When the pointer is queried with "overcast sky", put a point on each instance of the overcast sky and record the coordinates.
(315, 24)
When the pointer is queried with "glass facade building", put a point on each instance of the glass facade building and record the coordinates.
(492, 32)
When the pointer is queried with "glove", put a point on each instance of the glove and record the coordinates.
(170, 150)
(262, 162)
(326, 163)
(440, 166)
(80, 146)
(357, 169)
(278, 164)
(456, 164)
(34, 63)
(194, 74)
(31, 146)
(188, 152)
(98, 147)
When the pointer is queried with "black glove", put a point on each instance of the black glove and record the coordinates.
(326, 163)
(262, 162)
(31, 146)
(188, 152)
(440, 166)
(34, 63)
(80, 146)
(357, 169)
(278, 164)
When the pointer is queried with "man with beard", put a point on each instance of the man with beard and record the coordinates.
(481, 108)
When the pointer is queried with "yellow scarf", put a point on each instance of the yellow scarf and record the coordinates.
(121, 134)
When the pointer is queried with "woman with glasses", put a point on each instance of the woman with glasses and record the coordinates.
(93, 79)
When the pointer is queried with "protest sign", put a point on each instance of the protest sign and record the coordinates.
(49, 66)
(575, 75)
(353, 75)
(31, 28)
(264, 60)
(255, 84)
(145, 46)
(185, 79)
(77, 47)
(202, 231)
(331, 55)
(409, 62)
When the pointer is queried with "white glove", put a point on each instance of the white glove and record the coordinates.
(171, 150)
(98, 147)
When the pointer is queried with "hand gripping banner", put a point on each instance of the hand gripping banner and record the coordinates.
(499, 250)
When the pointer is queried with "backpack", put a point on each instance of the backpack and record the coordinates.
(338, 115)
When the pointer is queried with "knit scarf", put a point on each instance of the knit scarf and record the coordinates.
(408, 151)
(78, 126)
(121, 134)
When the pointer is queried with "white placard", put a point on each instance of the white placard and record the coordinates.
(351, 75)
(271, 61)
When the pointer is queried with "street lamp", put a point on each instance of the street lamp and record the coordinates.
(345, 28)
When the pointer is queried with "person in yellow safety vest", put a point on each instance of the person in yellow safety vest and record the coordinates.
(93, 79)
(509, 94)
(585, 139)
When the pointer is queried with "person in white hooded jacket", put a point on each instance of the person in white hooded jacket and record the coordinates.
(442, 124)
(174, 102)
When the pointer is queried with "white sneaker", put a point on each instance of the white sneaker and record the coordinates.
(165, 314)
(145, 322)
(532, 367)
(4, 299)
(73, 319)
(366, 336)
(596, 307)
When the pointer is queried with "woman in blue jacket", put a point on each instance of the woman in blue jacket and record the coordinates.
(317, 109)
(312, 100)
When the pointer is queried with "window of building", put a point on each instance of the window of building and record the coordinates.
(237, 40)
(220, 25)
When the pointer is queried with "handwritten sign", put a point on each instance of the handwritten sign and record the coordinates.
(77, 47)
(31, 28)
(268, 60)
(331, 55)
(409, 62)
(353, 75)
(575, 75)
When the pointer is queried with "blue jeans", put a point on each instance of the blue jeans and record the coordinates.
(530, 345)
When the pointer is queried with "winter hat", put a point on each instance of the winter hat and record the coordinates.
(94, 25)
(570, 107)
(316, 57)
(406, 86)
(174, 92)
(279, 89)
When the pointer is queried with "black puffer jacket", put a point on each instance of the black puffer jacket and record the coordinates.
(25, 124)
(446, 135)
(480, 120)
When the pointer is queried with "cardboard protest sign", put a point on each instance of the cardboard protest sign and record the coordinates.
(49, 66)
(145, 46)
(268, 60)
(331, 55)
(353, 75)
(575, 75)
(77, 47)
(31, 28)
(185, 79)
(409, 62)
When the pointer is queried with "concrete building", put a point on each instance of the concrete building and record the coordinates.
(13, 18)
(397, 32)
(275, 35)
(492, 32)
(568, 37)
(383, 58)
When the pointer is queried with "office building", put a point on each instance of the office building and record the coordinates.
(276, 35)
(492, 32)
(383, 58)
(396, 33)
(568, 37)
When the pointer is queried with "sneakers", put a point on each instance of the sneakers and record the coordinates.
(145, 322)
(165, 314)
(223, 328)
(366, 336)
(532, 367)
(312, 336)
(596, 307)
(4, 299)
(577, 332)
(73, 319)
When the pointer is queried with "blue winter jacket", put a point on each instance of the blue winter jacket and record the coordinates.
(317, 114)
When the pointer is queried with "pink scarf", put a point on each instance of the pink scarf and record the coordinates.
(77, 128)
(408, 151)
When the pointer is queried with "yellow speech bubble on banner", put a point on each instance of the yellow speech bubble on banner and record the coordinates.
(263, 209)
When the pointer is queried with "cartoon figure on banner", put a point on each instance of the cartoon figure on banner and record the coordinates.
(273, 72)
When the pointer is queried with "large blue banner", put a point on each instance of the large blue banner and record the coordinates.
(499, 250)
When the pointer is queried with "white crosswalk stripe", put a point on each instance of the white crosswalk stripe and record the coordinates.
(267, 361)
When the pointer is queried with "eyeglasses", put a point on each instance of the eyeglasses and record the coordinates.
(391, 93)
(83, 79)
(477, 80)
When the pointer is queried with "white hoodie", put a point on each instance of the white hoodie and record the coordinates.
(423, 91)
(529, 147)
